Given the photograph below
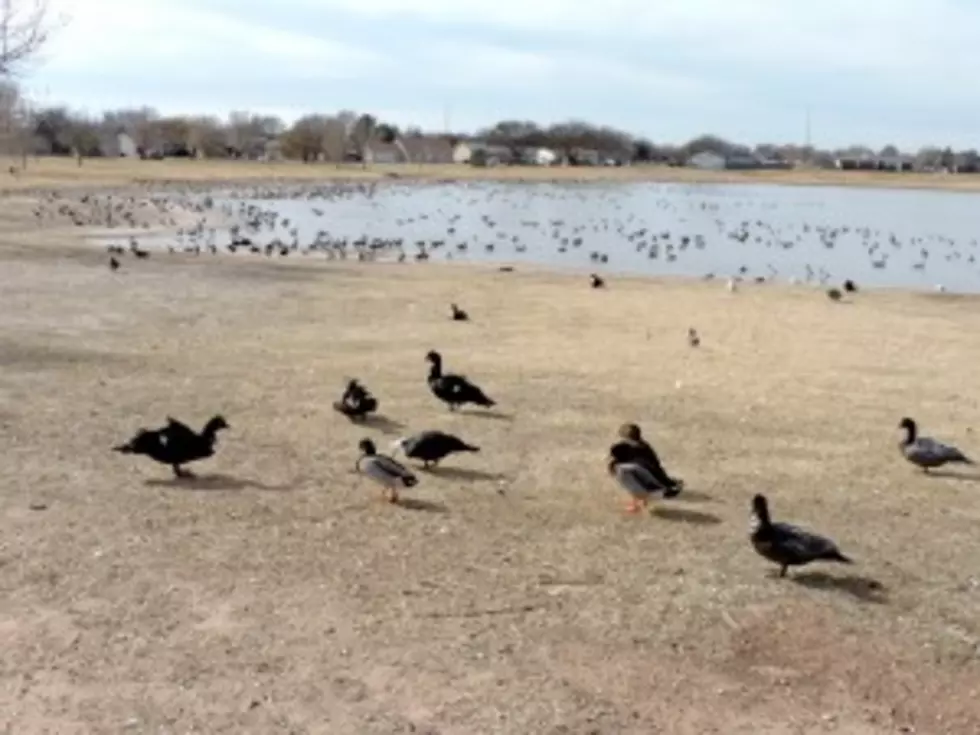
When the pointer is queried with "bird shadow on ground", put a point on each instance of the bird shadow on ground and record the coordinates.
(686, 515)
(694, 496)
(950, 475)
(422, 506)
(464, 474)
(382, 423)
(213, 482)
(497, 415)
(865, 589)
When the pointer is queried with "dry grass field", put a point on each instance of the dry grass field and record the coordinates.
(64, 172)
(512, 595)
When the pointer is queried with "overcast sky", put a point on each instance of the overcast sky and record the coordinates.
(874, 71)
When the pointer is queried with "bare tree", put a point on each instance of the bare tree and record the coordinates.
(24, 29)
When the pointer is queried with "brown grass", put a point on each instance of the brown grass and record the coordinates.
(513, 596)
(64, 172)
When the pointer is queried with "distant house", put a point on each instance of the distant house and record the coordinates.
(584, 157)
(707, 160)
(484, 154)
(434, 149)
(384, 153)
(120, 145)
(535, 156)
(874, 163)
(462, 152)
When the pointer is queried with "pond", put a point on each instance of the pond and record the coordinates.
(876, 237)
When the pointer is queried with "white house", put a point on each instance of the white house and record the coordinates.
(542, 156)
(707, 160)
(462, 152)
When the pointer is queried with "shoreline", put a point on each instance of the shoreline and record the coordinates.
(47, 174)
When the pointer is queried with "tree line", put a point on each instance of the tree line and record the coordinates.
(345, 135)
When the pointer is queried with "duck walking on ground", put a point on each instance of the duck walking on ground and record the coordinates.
(458, 314)
(633, 476)
(384, 470)
(357, 402)
(925, 452)
(176, 444)
(788, 545)
(454, 390)
(431, 447)
(644, 454)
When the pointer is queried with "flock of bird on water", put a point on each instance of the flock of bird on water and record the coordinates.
(200, 219)
(632, 462)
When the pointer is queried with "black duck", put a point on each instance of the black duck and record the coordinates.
(176, 444)
(454, 390)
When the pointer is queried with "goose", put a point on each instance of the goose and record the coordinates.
(453, 390)
(596, 281)
(384, 470)
(432, 446)
(458, 314)
(357, 402)
(176, 444)
(788, 545)
(925, 452)
(644, 454)
(633, 476)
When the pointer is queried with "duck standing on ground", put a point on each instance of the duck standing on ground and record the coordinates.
(384, 470)
(788, 545)
(458, 314)
(596, 281)
(634, 477)
(432, 446)
(453, 390)
(176, 444)
(925, 452)
(357, 402)
(693, 338)
(643, 454)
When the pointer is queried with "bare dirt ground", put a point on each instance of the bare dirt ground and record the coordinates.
(278, 595)
(48, 173)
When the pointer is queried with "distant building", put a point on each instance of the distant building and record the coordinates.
(707, 160)
(534, 156)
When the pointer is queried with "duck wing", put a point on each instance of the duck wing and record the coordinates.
(177, 432)
(386, 470)
(637, 479)
(928, 450)
(802, 545)
(463, 391)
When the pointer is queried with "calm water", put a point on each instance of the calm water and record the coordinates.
(916, 239)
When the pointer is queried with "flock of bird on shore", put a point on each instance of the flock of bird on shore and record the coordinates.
(632, 461)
